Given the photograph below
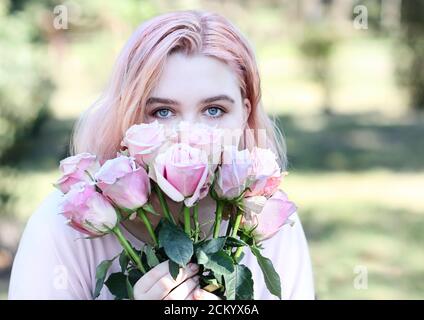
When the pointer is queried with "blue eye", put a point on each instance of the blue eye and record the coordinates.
(162, 113)
(214, 112)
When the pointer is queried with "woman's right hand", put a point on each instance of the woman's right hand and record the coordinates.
(157, 283)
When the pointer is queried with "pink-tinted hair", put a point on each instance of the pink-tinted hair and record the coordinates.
(101, 128)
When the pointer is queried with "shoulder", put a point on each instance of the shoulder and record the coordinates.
(47, 223)
(46, 226)
(46, 218)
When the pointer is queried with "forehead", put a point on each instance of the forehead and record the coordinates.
(193, 78)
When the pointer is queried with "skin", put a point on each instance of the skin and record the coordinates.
(187, 81)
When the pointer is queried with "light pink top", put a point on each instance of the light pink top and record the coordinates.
(55, 262)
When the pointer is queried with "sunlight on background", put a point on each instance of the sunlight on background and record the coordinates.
(348, 99)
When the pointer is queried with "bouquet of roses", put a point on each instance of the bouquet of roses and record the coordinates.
(186, 164)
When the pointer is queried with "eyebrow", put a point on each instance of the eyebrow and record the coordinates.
(153, 100)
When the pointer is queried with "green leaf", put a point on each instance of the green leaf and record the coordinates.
(152, 260)
(101, 271)
(240, 257)
(130, 290)
(178, 246)
(212, 245)
(174, 269)
(149, 208)
(239, 284)
(157, 230)
(144, 262)
(219, 277)
(128, 212)
(161, 255)
(202, 257)
(134, 275)
(234, 242)
(272, 279)
(238, 199)
(123, 260)
(117, 285)
(219, 262)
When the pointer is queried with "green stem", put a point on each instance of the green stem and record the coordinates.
(164, 204)
(187, 226)
(237, 254)
(218, 218)
(237, 223)
(196, 222)
(128, 249)
(228, 232)
(142, 215)
(239, 250)
(239, 215)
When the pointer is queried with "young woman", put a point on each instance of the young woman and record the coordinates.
(188, 66)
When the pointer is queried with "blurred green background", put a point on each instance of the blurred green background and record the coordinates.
(344, 79)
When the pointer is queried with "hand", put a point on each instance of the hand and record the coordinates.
(158, 283)
(200, 294)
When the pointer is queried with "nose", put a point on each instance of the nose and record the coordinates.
(190, 117)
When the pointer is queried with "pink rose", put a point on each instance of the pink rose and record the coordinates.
(233, 173)
(182, 172)
(74, 170)
(268, 215)
(143, 140)
(200, 136)
(127, 185)
(88, 211)
(265, 173)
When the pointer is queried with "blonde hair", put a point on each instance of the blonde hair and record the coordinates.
(100, 129)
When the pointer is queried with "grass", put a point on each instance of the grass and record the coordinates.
(367, 219)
